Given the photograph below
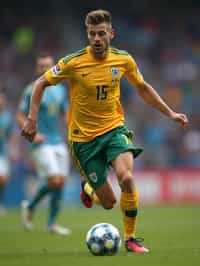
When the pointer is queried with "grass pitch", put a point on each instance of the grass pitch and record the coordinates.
(171, 233)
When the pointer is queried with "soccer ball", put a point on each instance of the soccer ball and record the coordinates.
(103, 239)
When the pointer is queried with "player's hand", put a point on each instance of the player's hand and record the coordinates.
(39, 138)
(29, 129)
(180, 118)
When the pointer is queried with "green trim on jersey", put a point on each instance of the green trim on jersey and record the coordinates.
(117, 51)
(69, 57)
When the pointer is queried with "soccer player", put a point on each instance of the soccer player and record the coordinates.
(6, 123)
(48, 149)
(97, 132)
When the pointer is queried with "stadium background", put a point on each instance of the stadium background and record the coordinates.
(164, 38)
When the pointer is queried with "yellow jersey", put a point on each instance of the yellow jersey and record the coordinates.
(94, 85)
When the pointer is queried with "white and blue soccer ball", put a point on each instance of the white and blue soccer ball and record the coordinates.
(103, 239)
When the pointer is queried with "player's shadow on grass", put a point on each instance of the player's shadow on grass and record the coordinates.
(54, 254)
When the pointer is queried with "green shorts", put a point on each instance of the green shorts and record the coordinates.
(94, 158)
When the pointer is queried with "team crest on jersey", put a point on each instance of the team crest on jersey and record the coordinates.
(114, 71)
(56, 70)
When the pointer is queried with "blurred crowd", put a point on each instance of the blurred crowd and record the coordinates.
(166, 48)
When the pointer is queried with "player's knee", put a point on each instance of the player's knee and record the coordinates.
(3, 182)
(62, 181)
(109, 204)
(127, 181)
(56, 182)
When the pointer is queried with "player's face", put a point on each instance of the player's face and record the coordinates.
(43, 64)
(99, 37)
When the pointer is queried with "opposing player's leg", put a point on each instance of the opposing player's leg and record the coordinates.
(59, 165)
(41, 156)
(28, 207)
(26, 215)
(54, 209)
(123, 167)
(51, 164)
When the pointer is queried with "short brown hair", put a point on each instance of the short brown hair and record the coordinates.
(43, 54)
(98, 16)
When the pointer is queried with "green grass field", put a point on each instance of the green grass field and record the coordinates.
(172, 234)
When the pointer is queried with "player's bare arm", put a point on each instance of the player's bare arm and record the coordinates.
(29, 129)
(150, 96)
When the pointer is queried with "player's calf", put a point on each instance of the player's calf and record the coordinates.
(106, 195)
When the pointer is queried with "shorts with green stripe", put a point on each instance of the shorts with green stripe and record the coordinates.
(94, 158)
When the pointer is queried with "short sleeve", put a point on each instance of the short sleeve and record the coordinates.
(133, 74)
(24, 103)
(59, 72)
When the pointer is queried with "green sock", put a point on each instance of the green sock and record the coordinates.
(54, 205)
(42, 191)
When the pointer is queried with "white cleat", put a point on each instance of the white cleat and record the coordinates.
(59, 230)
(26, 216)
